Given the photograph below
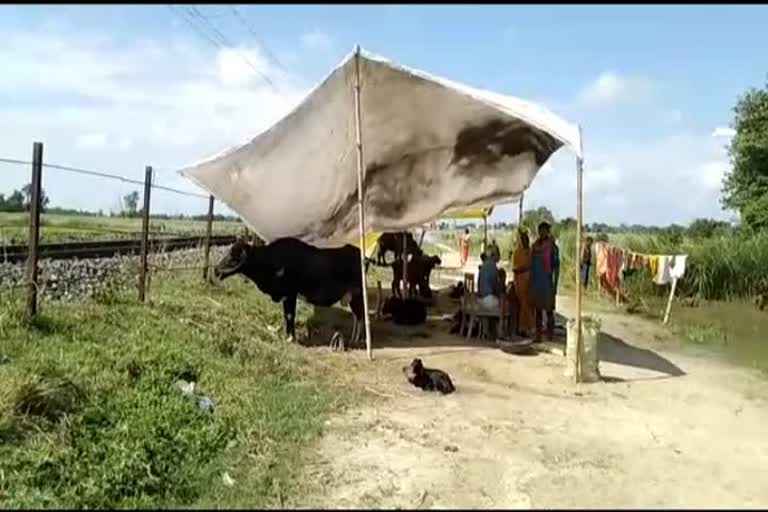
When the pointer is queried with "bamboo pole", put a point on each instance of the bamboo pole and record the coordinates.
(379, 299)
(405, 265)
(520, 211)
(669, 301)
(579, 220)
(361, 201)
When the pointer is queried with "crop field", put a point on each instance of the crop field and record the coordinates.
(14, 227)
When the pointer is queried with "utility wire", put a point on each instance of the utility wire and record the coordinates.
(196, 12)
(218, 39)
(102, 175)
(188, 20)
(249, 26)
(205, 24)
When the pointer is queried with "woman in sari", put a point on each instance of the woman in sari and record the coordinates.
(521, 264)
(464, 247)
(544, 276)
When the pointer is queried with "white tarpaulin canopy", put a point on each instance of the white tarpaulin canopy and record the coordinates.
(429, 146)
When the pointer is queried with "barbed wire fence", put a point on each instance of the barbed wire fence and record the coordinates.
(153, 246)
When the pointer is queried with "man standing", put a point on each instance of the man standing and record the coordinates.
(495, 252)
(544, 276)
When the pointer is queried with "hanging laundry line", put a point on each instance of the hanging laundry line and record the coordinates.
(612, 263)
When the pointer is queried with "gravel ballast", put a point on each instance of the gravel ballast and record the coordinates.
(78, 278)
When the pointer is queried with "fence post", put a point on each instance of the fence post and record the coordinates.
(34, 229)
(208, 230)
(145, 234)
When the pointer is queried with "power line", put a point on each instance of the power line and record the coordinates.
(204, 25)
(195, 27)
(100, 174)
(249, 26)
(220, 40)
(194, 10)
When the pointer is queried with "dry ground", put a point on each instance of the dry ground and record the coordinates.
(666, 428)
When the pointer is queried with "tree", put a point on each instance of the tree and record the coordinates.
(567, 224)
(673, 234)
(745, 188)
(26, 193)
(706, 228)
(131, 202)
(532, 218)
(16, 201)
(12, 203)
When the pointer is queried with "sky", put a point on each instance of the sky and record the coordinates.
(114, 88)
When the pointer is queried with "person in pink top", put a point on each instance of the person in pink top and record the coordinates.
(464, 247)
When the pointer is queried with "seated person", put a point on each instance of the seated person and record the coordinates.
(488, 283)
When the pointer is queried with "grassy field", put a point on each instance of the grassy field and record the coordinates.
(90, 416)
(15, 226)
(733, 329)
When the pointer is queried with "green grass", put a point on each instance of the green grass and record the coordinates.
(90, 415)
(56, 227)
(735, 329)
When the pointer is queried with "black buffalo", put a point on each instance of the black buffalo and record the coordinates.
(419, 271)
(288, 268)
(394, 242)
(405, 311)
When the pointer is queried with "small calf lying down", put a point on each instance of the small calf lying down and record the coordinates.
(428, 379)
(405, 311)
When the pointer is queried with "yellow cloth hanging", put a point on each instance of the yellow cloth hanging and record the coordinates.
(653, 264)
(370, 242)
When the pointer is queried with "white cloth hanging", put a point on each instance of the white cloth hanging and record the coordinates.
(670, 268)
(677, 271)
(662, 273)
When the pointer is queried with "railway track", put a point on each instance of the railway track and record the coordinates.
(107, 248)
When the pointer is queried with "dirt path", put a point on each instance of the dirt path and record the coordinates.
(663, 430)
